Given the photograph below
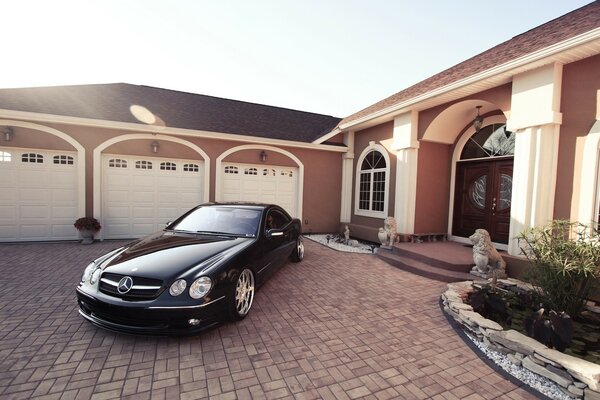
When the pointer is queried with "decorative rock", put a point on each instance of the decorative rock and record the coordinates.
(517, 341)
(590, 394)
(566, 392)
(580, 385)
(456, 306)
(585, 371)
(478, 320)
(544, 360)
(514, 360)
(575, 391)
(559, 371)
(538, 369)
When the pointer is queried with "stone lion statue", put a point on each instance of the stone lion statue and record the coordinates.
(387, 235)
(487, 260)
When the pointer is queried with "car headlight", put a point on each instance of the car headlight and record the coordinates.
(200, 287)
(88, 272)
(178, 287)
(95, 276)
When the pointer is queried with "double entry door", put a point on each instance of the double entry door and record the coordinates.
(482, 198)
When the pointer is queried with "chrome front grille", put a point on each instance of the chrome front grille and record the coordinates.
(142, 289)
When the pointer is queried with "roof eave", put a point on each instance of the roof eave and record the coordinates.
(512, 67)
(7, 115)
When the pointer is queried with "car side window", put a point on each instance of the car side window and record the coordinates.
(276, 220)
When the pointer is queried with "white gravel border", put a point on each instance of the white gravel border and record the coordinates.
(322, 238)
(540, 383)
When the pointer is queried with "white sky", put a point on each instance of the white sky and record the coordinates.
(330, 57)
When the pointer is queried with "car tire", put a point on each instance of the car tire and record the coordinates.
(242, 296)
(298, 252)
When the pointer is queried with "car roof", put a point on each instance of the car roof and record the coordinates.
(240, 203)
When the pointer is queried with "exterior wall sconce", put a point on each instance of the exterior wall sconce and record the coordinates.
(8, 133)
(263, 156)
(154, 147)
(478, 121)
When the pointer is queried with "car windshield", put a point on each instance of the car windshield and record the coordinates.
(220, 221)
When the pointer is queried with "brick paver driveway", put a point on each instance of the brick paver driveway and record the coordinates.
(337, 325)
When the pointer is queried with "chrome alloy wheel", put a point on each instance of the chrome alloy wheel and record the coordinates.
(244, 292)
(300, 248)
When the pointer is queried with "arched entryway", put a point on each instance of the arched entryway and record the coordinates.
(483, 185)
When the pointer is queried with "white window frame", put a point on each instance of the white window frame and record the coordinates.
(371, 213)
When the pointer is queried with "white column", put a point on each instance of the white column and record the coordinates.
(535, 119)
(406, 146)
(406, 189)
(534, 180)
(347, 167)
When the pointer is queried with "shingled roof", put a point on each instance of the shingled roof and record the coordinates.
(569, 25)
(112, 102)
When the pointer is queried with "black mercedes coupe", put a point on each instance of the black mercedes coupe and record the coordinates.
(202, 269)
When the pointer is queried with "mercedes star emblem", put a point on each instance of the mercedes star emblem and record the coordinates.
(125, 285)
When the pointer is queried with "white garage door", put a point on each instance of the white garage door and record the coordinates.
(141, 194)
(38, 195)
(265, 184)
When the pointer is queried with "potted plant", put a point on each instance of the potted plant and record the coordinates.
(87, 227)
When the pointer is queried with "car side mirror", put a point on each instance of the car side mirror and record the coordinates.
(274, 233)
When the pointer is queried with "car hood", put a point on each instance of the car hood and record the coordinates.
(167, 255)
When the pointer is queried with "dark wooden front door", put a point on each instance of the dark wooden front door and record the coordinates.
(482, 198)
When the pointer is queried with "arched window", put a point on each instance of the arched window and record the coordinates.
(372, 183)
(5, 156)
(491, 141)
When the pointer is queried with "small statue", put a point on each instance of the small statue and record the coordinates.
(346, 234)
(488, 262)
(387, 235)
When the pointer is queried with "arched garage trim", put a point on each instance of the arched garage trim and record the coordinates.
(141, 136)
(78, 147)
(219, 172)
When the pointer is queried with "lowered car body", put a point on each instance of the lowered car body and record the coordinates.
(200, 270)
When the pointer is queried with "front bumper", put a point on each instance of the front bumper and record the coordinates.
(148, 318)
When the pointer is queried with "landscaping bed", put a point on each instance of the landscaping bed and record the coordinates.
(576, 377)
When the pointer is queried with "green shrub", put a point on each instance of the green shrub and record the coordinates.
(565, 263)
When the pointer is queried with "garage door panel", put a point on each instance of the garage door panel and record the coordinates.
(62, 179)
(117, 196)
(66, 212)
(118, 212)
(142, 197)
(169, 213)
(8, 179)
(8, 196)
(142, 229)
(143, 212)
(35, 231)
(115, 229)
(63, 230)
(35, 196)
(271, 184)
(63, 196)
(143, 181)
(154, 196)
(7, 213)
(118, 179)
(167, 197)
(9, 232)
(34, 211)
